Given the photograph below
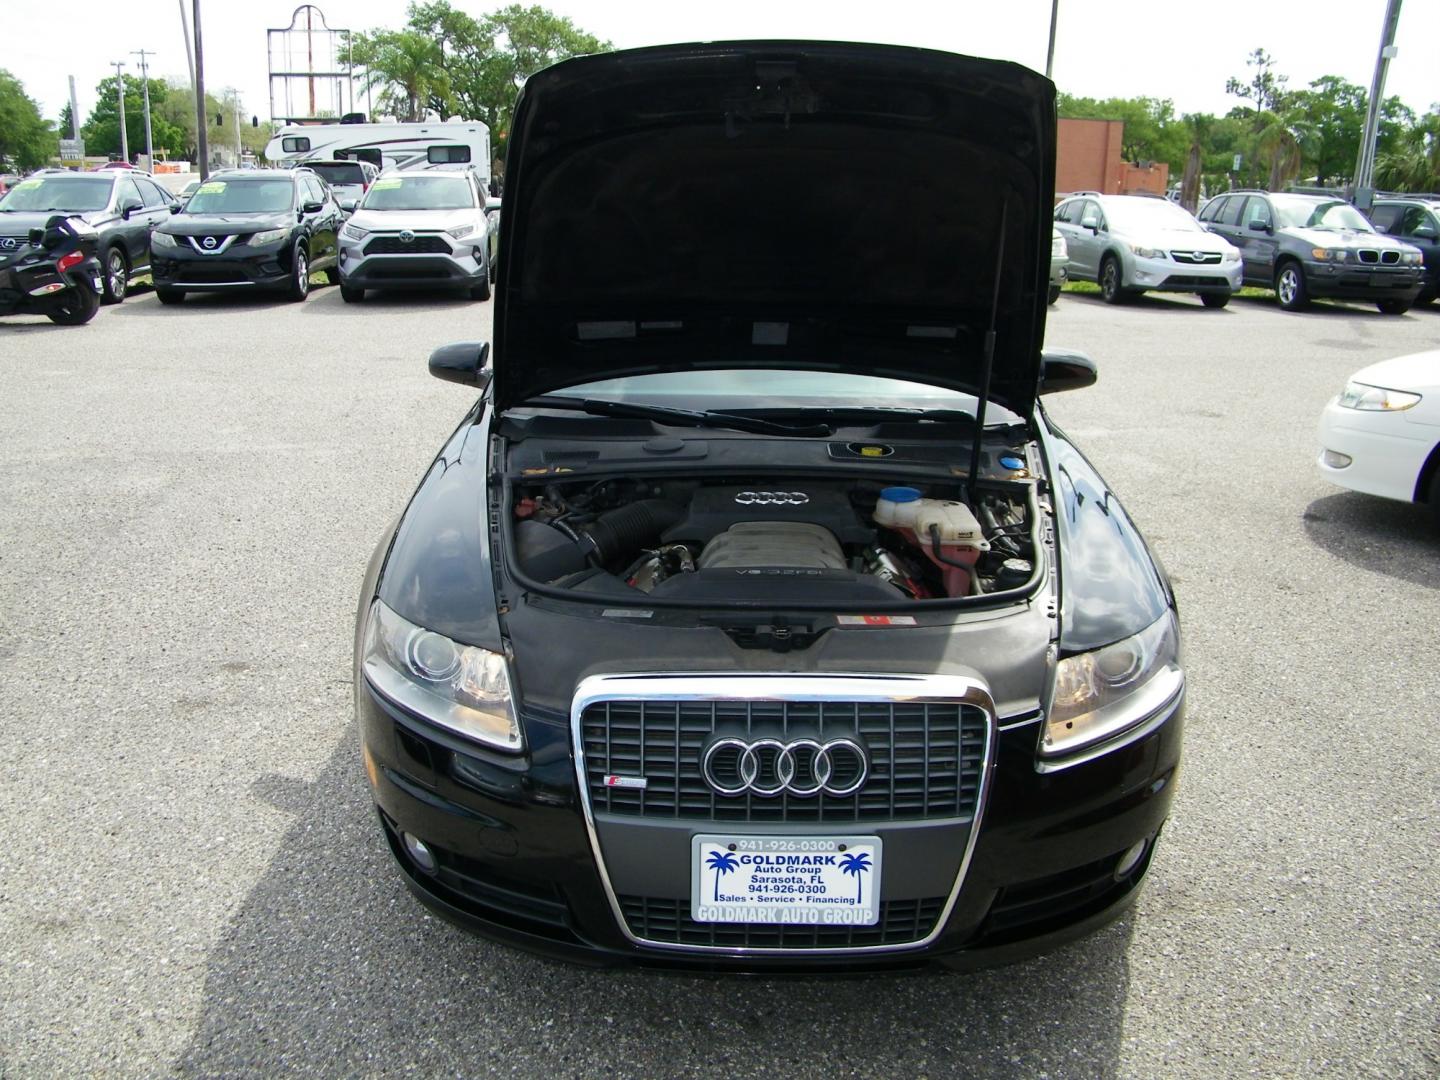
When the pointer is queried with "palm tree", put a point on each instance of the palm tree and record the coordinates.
(1276, 145)
(857, 865)
(722, 862)
(1199, 127)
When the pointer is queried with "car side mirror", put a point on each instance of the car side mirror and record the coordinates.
(462, 362)
(348, 205)
(129, 206)
(36, 237)
(1424, 232)
(1065, 369)
(176, 207)
(312, 207)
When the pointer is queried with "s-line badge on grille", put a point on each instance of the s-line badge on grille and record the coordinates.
(800, 767)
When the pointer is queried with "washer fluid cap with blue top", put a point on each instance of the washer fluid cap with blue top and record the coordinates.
(900, 494)
(1011, 462)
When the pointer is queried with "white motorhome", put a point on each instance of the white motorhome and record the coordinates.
(384, 145)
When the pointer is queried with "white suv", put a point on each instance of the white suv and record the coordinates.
(417, 228)
(1133, 243)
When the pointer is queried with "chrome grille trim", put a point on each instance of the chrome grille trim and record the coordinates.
(1197, 258)
(706, 686)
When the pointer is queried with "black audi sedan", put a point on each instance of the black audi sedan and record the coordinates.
(248, 230)
(756, 615)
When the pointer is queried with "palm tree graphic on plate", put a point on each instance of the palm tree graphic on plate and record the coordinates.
(857, 865)
(722, 862)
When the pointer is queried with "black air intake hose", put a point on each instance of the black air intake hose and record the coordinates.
(620, 532)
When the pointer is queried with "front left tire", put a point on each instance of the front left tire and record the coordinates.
(299, 287)
(1215, 300)
(115, 281)
(1393, 307)
(1111, 290)
(1054, 294)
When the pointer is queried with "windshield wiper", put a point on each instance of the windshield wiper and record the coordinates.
(677, 417)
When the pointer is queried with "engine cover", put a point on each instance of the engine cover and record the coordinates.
(712, 510)
(773, 544)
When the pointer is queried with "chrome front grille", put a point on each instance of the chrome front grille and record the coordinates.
(1371, 257)
(926, 758)
(1196, 258)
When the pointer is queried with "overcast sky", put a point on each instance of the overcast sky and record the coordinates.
(1104, 48)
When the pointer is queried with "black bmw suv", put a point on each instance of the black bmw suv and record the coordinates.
(757, 615)
(122, 206)
(249, 230)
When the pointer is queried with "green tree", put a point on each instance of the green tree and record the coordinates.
(176, 106)
(1152, 130)
(1330, 116)
(1262, 87)
(26, 139)
(1414, 163)
(102, 129)
(1199, 127)
(447, 62)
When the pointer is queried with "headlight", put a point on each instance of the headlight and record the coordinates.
(354, 232)
(269, 236)
(1146, 252)
(458, 687)
(162, 239)
(1330, 254)
(1232, 256)
(1058, 250)
(1411, 258)
(1104, 693)
(1367, 398)
(461, 231)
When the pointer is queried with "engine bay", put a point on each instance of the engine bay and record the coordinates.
(706, 541)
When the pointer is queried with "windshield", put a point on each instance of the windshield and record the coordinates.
(729, 391)
(419, 193)
(1140, 215)
(339, 174)
(241, 197)
(1304, 214)
(58, 193)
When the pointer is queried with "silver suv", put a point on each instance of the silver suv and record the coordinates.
(417, 228)
(1133, 243)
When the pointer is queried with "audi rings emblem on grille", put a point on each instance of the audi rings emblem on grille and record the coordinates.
(772, 498)
(801, 767)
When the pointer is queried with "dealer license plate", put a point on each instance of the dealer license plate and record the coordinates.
(792, 880)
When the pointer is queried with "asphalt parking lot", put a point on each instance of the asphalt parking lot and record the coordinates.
(193, 880)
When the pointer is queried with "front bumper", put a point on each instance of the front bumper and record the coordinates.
(375, 263)
(1351, 281)
(1385, 451)
(1167, 275)
(516, 861)
(239, 269)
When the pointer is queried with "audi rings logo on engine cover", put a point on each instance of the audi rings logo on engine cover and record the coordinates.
(801, 767)
(772, 498)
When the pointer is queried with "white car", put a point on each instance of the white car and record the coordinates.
(1381, 435)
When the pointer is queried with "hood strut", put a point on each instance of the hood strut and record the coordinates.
(987, 360)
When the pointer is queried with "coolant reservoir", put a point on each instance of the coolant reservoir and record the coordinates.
(961, 540)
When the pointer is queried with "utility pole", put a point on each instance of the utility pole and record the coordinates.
(1050, 55)
(1363, 186)
(235, 108)
(74, 111)
(189, 45)
(202, 118)
(145, 82)
(120, 93)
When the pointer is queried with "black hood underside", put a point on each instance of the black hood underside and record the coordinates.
(815, 206)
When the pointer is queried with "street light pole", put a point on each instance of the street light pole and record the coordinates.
(1364, 182)
(145, 82)
(120, 95)
(202, 134)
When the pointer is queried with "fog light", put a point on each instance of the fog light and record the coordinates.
(1127, 863)
(1336, 460)
(418, 850)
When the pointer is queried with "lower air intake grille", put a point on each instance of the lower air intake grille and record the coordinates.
(901, 922)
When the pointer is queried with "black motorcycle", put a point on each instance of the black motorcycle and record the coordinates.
(52, 272)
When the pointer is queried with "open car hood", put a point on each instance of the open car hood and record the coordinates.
(805, 205)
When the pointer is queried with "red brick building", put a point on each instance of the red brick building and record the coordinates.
(1088, 159)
